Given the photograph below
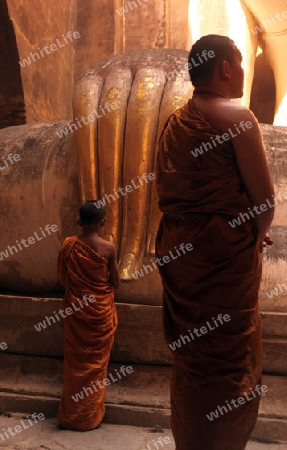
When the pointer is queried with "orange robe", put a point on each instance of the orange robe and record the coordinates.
(198, 196)
(89, 334)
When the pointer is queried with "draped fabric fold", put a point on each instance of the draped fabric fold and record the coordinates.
(199, 196)
(89, 334)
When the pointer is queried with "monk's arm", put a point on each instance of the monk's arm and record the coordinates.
(254, 168)
(113, 268)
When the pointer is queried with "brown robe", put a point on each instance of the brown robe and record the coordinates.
(89, 334)
(199, 196)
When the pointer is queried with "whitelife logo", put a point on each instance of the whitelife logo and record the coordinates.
(129, 7)
(201, 59)
(257, 209)
(241, 401)
(3, 346)
(9, 161)
(23, 426)
(86, 120)
(69, 311)
(158, 444)
(164, 260)
(198, 332)
(106, 382)
(31, 240)
(221, 139)
(123, 191)
(53, 47)
(269, 23)
(276, 290)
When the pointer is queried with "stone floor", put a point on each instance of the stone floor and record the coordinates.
(45, 436)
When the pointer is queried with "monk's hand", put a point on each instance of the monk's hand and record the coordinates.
(266, 241)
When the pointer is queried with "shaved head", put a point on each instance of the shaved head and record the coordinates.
(91, 212)
(224, 49)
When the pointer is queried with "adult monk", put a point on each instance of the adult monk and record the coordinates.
(212, 169)
(87, 267)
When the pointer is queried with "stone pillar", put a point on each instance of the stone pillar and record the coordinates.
(271, 21)
(12, 109)
(47, 78)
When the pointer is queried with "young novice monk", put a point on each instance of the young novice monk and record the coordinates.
(87, 267)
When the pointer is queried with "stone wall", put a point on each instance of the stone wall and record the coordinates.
(47, 81)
